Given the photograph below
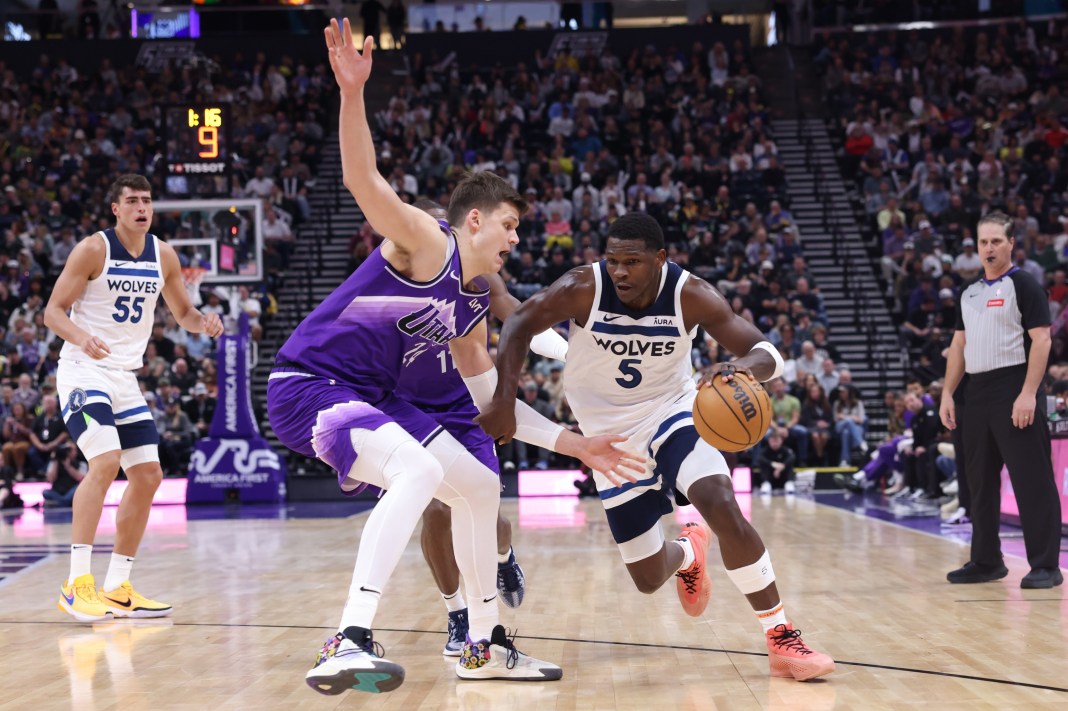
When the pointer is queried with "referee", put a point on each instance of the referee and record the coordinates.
(1002, 341)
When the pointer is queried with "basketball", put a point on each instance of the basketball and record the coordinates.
(732, 416)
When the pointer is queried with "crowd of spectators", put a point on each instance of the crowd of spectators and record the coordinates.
(66, 133)
(939, 128)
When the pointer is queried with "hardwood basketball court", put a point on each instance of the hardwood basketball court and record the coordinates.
(256, 597)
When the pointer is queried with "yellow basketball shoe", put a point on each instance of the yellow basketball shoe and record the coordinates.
(124, 601)
(80, 600)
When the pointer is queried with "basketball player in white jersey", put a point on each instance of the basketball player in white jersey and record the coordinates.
(103, 306)
(633, 317)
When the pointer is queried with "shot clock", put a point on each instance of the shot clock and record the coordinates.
(198, 149)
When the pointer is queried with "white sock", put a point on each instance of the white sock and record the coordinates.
(503, 557)
(687, 552)
(80, 555)
(769, 619)
(455, 602)
(118, 571)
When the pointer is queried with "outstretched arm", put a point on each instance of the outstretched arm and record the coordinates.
(599, 453)
(408, 227)
(703, 304)
(570, 297)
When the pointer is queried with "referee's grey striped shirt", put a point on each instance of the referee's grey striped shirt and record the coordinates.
(996, 316)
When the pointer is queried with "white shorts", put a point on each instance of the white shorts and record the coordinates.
(668, 441)
(105, 411)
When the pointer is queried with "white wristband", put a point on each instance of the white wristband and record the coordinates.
(550, 344)
(766, 346)
(530, 427)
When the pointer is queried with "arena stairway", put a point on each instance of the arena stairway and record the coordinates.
(860, 325)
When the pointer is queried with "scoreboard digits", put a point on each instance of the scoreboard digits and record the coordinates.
(197, 154)
(207, 134)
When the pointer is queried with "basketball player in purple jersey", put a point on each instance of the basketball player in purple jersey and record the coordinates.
(331, 396)
(429, 382)
(633, 316)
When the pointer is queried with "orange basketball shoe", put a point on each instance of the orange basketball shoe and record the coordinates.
(694, 583)
(789, 656)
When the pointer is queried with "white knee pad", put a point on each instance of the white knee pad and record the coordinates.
(704, 460)
(464, 475)
(754, 577)
(390, 452)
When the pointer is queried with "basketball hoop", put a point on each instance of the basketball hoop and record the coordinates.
(192, 276)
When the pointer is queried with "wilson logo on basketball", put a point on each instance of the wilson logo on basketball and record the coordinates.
(745, 403)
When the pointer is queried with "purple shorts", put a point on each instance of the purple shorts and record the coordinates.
(312, 415)
(459, 424)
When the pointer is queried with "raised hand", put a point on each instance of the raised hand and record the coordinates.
(351, 68)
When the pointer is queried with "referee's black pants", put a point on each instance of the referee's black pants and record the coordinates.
(990, 441)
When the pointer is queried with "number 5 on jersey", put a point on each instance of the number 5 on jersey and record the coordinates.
(631, 375)
(127, 310)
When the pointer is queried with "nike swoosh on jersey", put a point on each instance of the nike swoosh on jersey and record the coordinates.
(608, 318)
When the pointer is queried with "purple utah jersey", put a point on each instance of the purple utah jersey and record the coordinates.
(377, 320)
(340, 367)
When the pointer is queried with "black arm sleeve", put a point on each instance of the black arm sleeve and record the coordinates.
(1032, 300)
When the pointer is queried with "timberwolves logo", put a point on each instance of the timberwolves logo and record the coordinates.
(76, 401)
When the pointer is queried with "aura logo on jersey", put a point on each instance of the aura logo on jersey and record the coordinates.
(434, 322)
(636, 347)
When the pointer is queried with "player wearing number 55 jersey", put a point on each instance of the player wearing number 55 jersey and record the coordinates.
(103, 306)
(633, 316)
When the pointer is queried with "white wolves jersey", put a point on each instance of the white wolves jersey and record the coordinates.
(625, 367)
(118, 307)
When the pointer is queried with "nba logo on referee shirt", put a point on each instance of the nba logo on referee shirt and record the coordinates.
(76, 400)
(994, 303)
